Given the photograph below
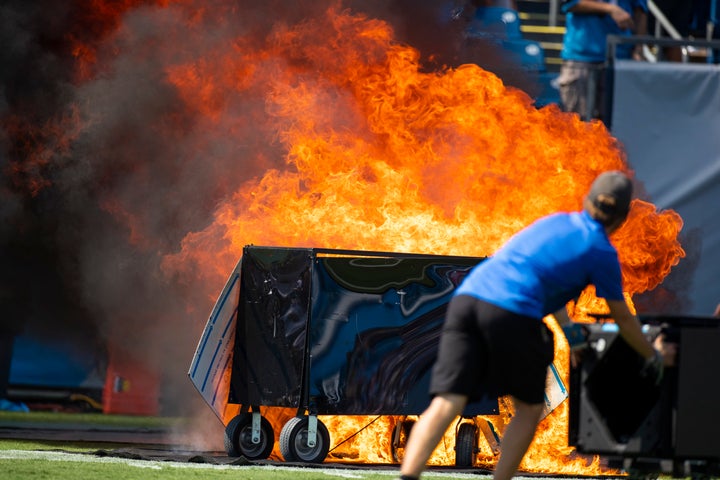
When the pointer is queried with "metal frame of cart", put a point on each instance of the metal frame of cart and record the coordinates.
(330, 332)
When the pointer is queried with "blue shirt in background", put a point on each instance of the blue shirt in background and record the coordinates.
(585, 37)
(546, 265)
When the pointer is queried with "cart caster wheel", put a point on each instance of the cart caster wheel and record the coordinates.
(466, 445)
(400, 436)
(239, 442)
(294, 441)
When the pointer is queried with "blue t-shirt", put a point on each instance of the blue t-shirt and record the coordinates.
(549, 263)
(585, 37)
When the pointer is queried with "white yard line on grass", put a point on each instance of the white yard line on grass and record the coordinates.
(158, 465)
(72, 457)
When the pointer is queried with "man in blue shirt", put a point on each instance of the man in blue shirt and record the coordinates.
(587, 25)
(494, 340)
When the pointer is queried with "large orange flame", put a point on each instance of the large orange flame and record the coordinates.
(379, 155)
(383, 156)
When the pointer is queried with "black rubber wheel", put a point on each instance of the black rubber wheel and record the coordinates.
(400, 436)
(293, 441)
(238, 438)
(466, 445)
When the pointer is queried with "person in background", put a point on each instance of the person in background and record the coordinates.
(680, 15)
(588, 23)
(494, 340)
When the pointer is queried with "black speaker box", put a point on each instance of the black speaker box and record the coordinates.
(618, 412)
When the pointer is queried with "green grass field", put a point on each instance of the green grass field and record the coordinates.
(62, 460)
(58, 460)
(24, 460)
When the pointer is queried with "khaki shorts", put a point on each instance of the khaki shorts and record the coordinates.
(582, 88)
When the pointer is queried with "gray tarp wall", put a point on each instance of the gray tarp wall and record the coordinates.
(668, 117)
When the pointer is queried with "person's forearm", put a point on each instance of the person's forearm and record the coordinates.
(630, 328)
(640, 19)
(631, 332)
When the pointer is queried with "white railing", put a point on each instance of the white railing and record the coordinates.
(553, 16)
(662, 22)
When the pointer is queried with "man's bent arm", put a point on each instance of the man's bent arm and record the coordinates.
(630, 328)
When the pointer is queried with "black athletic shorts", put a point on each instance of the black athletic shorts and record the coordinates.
(486, 350)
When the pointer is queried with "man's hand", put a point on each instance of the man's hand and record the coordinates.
(668, 350)
(664, 356)
(653, 368)
(622, 18)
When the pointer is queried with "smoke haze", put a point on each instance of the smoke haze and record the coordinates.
(107, 167)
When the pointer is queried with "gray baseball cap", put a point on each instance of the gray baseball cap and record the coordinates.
(611, 193)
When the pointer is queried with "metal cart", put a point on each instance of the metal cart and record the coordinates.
(329, 332)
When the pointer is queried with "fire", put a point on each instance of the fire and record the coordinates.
(91, 24)
(328, 133)
(381, 156)
(38, 146)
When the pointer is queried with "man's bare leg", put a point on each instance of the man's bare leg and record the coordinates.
(428, 430)
(518, 436)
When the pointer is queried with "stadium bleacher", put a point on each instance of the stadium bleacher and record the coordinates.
(524, 35)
